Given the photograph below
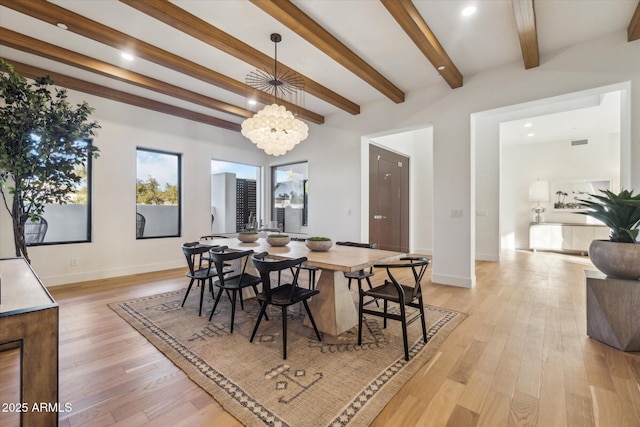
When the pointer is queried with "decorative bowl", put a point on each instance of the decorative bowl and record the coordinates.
(248, 237)
(278, 239)
(319, 244)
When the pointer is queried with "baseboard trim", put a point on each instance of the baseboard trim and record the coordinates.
(87, 276)
(460, 282)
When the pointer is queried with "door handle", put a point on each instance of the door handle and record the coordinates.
(379, 217)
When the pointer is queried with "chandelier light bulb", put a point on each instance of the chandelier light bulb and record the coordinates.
(275, 130)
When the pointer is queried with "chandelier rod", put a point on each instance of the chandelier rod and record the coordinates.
(275, 38)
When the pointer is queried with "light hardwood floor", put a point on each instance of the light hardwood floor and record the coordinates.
(521, 358)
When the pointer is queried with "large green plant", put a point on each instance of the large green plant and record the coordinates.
(620, 212)
(41, 147)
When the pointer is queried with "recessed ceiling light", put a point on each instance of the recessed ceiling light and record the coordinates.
(61, 25)
(528, 125)
(531, 134)
(252, 102)
(442, 67)
(127, 56)
(468, 11)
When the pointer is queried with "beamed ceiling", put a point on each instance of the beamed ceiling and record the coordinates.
(191, 57)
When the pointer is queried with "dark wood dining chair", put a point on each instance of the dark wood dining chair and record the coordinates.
(232, 284)
(193, 252)
(394, 291)
(281, 294)
(359, 275)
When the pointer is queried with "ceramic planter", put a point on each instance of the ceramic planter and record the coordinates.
(278, 241)
(619, 260)
(319, 245)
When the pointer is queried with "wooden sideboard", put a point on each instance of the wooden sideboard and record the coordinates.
(565, 236)
(29, 322)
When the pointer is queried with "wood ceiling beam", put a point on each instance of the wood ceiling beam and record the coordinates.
(409, 18)
(296, 20)
(525, 15)
(48, 12)
(633, 32)
(62, 80)
(28, 44)
(190, 24)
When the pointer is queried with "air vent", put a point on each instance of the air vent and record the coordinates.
(580, 142)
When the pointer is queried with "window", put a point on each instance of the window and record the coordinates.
(290, 197)
(69, 222)
(235, 197)
(158, 190)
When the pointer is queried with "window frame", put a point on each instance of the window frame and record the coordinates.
(305, 182)
(179, 191)
(89, 167)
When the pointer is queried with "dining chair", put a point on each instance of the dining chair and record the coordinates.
(35, 231)
(282, 294)
(359, 275)
(232, 284)
(193, 252)
(394, 291)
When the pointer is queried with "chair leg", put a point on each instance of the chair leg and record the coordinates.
(263, 310)
(215, 304)
(313, 323)
(233, 308)
(187, 293)
(403, 315)
(384, 322)
(424, 326)
(284, 332)
(202, 286)
(360, 315)
(255, 289)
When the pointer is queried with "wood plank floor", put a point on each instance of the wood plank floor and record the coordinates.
(522, 358)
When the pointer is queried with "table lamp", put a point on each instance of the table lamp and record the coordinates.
(538, 192)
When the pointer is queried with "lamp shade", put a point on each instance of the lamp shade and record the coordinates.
(539, 191)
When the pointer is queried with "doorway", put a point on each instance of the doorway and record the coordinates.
(388, 199)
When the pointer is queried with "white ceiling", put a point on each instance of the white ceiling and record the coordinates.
(477, 43)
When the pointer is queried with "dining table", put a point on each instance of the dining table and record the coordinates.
(333, 308)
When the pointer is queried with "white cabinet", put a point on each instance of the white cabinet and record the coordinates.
(565, 237)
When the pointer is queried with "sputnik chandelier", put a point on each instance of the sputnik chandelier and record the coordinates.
(274, 129)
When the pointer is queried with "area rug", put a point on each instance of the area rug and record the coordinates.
(330, 383)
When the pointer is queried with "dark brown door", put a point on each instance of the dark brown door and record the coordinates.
(388, 199)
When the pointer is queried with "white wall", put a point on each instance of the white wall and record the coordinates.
(552, 161)
(334, 152)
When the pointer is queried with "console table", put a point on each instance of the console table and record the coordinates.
(565, 236)
(29, 322)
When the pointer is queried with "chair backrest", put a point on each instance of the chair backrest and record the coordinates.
(194, 250)
(266, 266)
(34, 231)
(220, 257)
(140, 223)
(359, 245)
(418, 266)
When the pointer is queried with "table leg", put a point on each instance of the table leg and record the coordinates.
(333, 309)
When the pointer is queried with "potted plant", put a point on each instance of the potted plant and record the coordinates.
(319, 244)
(248, 236)
(618, 257)
(42, 148)
(278, 239)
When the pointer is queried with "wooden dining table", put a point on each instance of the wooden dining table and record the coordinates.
(333, 308)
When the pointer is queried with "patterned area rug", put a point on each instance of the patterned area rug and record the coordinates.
(330, 383)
